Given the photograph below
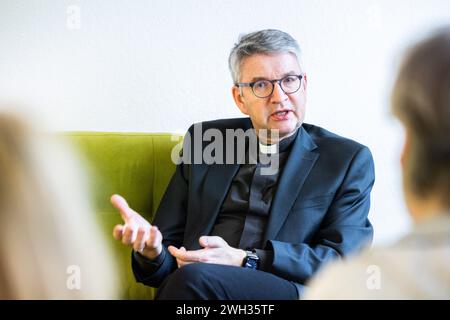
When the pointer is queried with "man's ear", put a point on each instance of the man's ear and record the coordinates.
(305, 85)
(239, 99)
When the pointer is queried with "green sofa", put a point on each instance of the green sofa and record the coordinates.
(137, 166)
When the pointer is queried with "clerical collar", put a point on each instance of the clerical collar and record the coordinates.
(283, 145)
(268, 148)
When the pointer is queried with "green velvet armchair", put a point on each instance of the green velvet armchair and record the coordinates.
(137, 166)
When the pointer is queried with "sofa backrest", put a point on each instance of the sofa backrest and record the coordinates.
(137, 166)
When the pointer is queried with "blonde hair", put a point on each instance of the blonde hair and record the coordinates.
(50, 243)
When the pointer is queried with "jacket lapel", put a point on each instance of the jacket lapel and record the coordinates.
(297, 168)
(217, 182)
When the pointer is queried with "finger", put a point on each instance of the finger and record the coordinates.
(134, 234)
(192, 256)
(212, 242)
(118, 232)
(175, 252)
(182, 263)
(159, 236)
(179, 254)
(129, 234)
(203, 241)
(139, 244)
(121, 204)
(186, 256)
(155, 237)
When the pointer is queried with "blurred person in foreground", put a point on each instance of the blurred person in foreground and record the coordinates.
(50, 245)
(418, 266)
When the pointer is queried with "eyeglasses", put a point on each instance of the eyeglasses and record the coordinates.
(264, 88)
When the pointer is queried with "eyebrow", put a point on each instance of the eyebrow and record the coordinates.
(290, 73)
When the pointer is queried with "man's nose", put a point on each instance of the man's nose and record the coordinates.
(278, 94)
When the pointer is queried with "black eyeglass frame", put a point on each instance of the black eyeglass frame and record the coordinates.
(252, 84)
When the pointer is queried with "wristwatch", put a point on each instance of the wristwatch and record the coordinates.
(251, 260)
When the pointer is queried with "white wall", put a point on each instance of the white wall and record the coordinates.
(161, 65)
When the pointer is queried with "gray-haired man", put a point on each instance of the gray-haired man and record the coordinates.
(229, 231)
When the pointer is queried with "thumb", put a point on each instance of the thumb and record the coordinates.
(212, 242)
(121, 204)
(174, 251)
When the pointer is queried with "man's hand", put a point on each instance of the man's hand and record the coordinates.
(136, 232)
(215, 250)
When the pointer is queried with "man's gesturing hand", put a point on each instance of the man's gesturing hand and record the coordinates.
(136, 232)
(215, 250)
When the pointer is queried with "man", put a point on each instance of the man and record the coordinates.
(234, 231)
(417, 266)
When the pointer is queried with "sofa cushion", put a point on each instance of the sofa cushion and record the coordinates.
(137, 166)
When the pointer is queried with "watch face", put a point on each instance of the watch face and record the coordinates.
(250, 264)
(251, 260)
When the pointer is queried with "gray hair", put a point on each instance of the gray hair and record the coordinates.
(269, 41)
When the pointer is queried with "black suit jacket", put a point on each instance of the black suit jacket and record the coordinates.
(319, 211)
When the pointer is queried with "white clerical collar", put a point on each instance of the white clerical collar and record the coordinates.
(268, 148)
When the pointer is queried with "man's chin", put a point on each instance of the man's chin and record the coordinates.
(275, 135)
(284, 131)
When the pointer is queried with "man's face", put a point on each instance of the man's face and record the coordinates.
(265, 112)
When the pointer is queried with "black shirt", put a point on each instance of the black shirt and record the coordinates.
(245, 211)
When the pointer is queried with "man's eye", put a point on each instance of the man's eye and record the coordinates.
(261, 84)
(288, 80)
